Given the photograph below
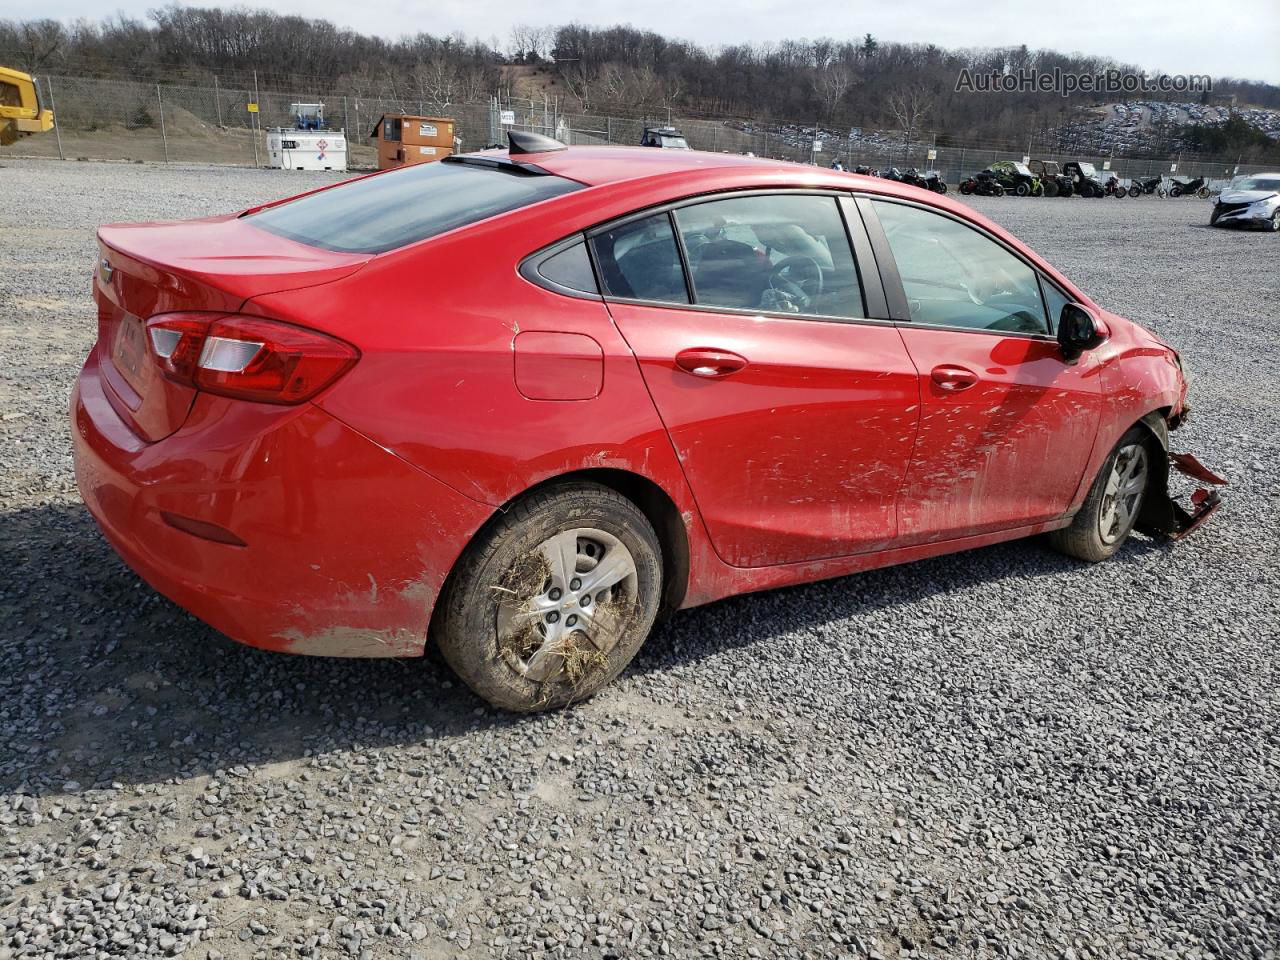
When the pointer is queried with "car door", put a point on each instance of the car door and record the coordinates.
(792, 411)
(1006, 423)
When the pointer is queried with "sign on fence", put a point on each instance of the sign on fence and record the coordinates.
(251, 107)
(508, 117)
(932, 155)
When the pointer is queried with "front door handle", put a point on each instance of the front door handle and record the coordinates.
(709, 362)
(952, 378)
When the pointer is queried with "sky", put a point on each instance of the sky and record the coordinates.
(1237, 39)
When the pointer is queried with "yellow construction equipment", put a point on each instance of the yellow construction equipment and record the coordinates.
(20, 111)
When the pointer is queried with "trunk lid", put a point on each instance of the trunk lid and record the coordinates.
(211, 265)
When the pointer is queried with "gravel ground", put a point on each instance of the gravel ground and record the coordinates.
(1001, 753)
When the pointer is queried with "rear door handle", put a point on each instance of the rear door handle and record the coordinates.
(952, 378)
(709, 363)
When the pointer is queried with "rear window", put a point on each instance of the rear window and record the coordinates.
(395, 209)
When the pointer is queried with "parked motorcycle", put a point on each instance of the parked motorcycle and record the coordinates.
(1114, 189)
(1188, 188)
(1138, 188)
(935, 182)
(983, 184)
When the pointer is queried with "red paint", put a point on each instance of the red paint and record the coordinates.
(792, 450)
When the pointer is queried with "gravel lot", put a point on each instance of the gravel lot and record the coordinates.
(996, 754)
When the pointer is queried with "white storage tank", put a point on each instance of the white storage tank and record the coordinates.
(308, 146)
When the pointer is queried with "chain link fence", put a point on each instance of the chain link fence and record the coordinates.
(127, 120)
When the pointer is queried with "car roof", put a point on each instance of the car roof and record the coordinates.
(596, 166)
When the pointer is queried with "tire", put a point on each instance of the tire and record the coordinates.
(1275, 221)
(1203, 193)
(1104, 510)
(511, 606)
(1135, 192)
(1175, 191)
(1065, 191)
(1120, 194)
(997, 190)
(1022, 190)
(1051, 189)
(1162, 193)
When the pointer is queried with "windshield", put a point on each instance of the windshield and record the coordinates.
(1270, 184)
(678, 143)
(1088, 170)
(394, 209)
(1022, 169)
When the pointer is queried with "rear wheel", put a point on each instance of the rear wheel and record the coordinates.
(1135, 191)
(1111, 509)
(554, 600)
(1050, 189)
(1275, 222)
(1022, 189)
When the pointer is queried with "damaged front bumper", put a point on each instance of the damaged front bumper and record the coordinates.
(1164, 516)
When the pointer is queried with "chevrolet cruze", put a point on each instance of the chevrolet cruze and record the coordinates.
(521, 403)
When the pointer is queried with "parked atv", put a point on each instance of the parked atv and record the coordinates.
(1138, 188)
(1189, 188)
(1084, 178)
(1016, 178)
(983, 184)
(1056, 183)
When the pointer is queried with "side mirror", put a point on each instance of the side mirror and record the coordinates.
(1078, 330)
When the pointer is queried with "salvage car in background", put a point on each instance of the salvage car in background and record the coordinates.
(1252, 201)
(525, 401)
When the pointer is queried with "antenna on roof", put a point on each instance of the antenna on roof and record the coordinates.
(522, 141)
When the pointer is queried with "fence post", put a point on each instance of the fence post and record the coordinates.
(57, 129)
(217, 99)
(256, 125)
(164, 137)
(608, 129)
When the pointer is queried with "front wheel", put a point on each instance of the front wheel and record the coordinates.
(1275, 222)
(1111, 509)
(997, 190)
(1022, 189)
(1162, 193)
(966, 187)
(1120, 193)
(554, 599)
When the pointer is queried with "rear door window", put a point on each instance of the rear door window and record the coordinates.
(639, 260)
(401, 207)
(775, 254)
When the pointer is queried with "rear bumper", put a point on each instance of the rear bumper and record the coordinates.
(345, 547)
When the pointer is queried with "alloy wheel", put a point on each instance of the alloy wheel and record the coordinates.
(1123, 494)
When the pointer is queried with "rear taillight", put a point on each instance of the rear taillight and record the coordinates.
(251, 358)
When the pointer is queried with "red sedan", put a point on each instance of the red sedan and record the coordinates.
(523, 402)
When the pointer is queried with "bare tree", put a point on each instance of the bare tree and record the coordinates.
(580, 83)
(910, 108)
(830, 84)
(438, 82)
